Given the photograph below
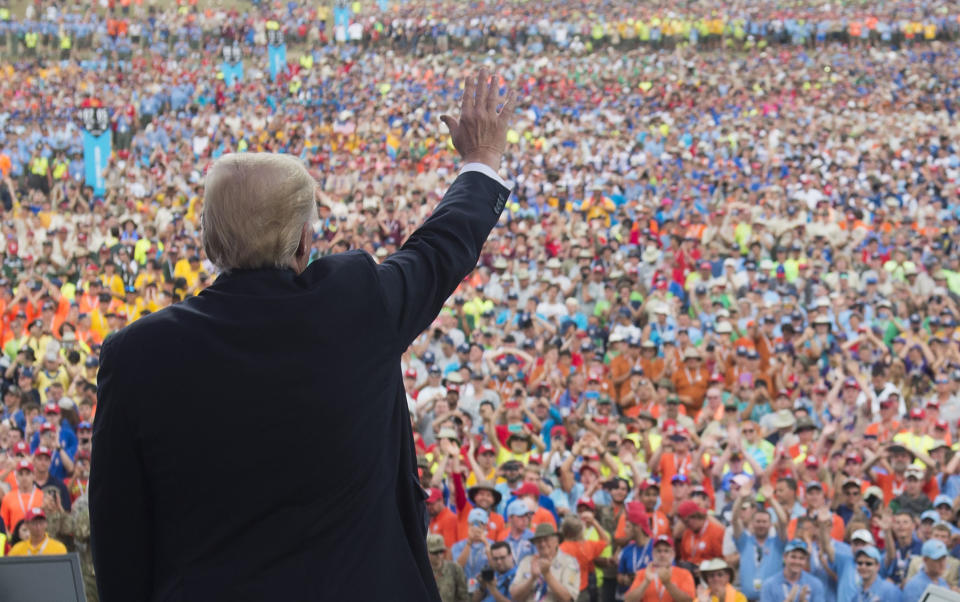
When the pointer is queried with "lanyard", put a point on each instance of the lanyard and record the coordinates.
(29, 504)
(39, 552)
(641, 558)
(684, 465)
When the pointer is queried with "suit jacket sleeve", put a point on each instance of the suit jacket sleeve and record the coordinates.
(417, 279)
(120, 508)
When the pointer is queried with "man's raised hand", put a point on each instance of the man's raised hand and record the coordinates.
(480, 133)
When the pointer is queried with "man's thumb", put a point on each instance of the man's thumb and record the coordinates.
(449, 121)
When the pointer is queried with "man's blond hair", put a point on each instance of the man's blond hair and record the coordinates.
(254, 208)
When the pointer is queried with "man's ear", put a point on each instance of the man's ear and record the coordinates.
(303, 247)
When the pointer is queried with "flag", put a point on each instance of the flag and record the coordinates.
(393, 145)
(96, 153)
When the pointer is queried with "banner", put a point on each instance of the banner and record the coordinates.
(96, 153)
(276, 53)
(341, 16)
(232, 73)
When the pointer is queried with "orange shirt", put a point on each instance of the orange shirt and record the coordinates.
(619, 367)
(836, 531)
(585, 552)
(707, 544)
(652, 368)
(445, 523)
(657, 592)
(692, 384)
(494, 526)
(542, 516)
(15, 505)
(670, 466)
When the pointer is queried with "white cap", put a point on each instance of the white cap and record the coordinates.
(863, 535)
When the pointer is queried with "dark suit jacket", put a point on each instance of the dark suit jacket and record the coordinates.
(254, 443)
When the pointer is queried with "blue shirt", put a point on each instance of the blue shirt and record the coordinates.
(520, 547)
(848, 580)
(758, 561)
(476, 562)
(634, 559)
(915, 587)
(503, 584)
(897, 570)
(881, 591)
(776, 588)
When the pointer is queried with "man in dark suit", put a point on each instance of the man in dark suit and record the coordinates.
(323, 502)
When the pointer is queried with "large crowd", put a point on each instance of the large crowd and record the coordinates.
(711, 350)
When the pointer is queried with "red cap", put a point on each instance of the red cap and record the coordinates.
(933, 403)
(83, 455)
(453, 387)
(43, 451)
(705, 265)
(783, 393)
(688, 508)
(593, 378)
(681, 432)
(47, 427)
(511, 405)
(24, 465)
(51, 408)
(486, 449)
(887, 402)
(535, 459)
(410, 373)
(558, 429)
(716, 377)
(586, 466)
(820, 388)
(811, 462)
(648, 483)
(35, 513)
(637, 515)
(434, 495)
(918, 413)
(663, 539)
(20, 447)
(855, 458)
(527, 489)
(941, 424)
(851, 383)
(585, 501)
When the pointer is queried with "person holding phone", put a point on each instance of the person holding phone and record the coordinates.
(494, 582)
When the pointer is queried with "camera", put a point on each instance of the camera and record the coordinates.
(486, 574)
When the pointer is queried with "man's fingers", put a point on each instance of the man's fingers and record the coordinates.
(469, 94)
(493, 92)
(509, 106)
(450, 122)
(481, 89)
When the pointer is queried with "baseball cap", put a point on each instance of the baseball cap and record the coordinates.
(914, 471)
(637, 514)
(918, 414)
(84, 426)
(930, 515)
(863, 535)
(814, 485)
(941, 500)
(24, 465)
(517, 508)
(527, 489)
(410, 373)
(689, 508)
(934, 549)
(679, 478)
(648, 483)
(43, 451)
(478, 516)
(47, 427)
(664, 539)
(585, 501)
(434, 495)
(36, 514)
(871, 552)
(51, 408)
(20, 447)
(797, 544)
(486, 449)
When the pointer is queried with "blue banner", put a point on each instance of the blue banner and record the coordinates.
(96, 153)
(341, 16)
(232, 72)
(278, 60)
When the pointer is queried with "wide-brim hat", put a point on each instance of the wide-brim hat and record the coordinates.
(716, 564)
(472, 493)
(544, 530)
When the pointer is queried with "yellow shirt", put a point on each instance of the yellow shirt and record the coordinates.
(47, 547)
(114, 283)
(44, 379)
